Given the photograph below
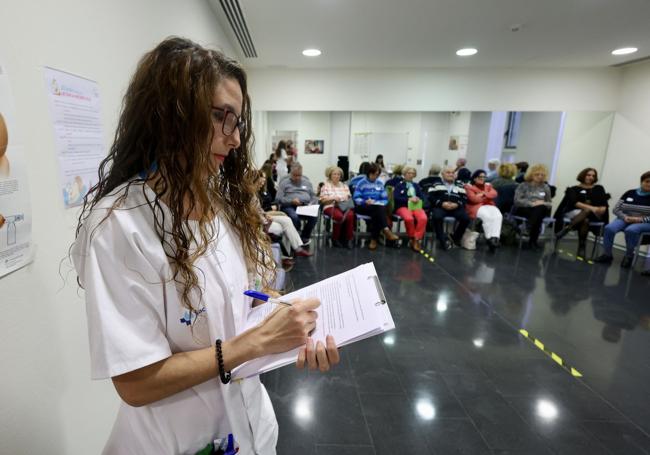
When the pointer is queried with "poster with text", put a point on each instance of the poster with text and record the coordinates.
(75, 109)
(15, 211)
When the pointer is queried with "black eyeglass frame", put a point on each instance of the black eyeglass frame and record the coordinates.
(240, 124)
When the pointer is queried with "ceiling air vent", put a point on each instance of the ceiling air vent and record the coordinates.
(233, 12)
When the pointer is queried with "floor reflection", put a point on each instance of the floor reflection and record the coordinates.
(456, 377)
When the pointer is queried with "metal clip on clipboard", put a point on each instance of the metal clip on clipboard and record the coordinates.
(380, 291)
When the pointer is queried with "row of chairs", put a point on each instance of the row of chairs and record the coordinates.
(449, 222)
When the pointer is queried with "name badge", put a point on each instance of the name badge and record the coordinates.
(630, 199)
(542, 193)
(583, 192)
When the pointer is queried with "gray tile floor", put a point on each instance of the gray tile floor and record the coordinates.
(457, 377)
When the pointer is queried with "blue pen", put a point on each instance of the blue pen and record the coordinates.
(264, 297)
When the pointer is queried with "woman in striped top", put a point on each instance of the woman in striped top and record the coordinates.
(632, 217)
(337, 204)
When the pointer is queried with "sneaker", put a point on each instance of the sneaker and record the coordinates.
(446, 245)
(604, 259)
(626, 263)
(306, 242)
(582, 252)
(372, 245)
(302, 253)
(415, 245)
(349, 244)
(337, 244)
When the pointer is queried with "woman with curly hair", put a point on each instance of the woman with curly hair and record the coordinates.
(167, 241)
(533, 200)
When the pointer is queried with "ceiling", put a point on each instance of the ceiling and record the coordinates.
(427, 33)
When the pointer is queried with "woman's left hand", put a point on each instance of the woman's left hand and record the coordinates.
(320, 356)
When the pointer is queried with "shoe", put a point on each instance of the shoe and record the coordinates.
(646, 273)
(390, 235)
(337, 244)
(492, 245)
(626, 263)
(287, 265)
(446, 245)
(562, 233)
(306, 242)
(415, 245)
(349, 244)
(302, 253)
(582, 251)
(456, 241)
(372, 245)
(604, 259)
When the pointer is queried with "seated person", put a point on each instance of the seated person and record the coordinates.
(432, 180)
(447, 199)
(492, 172)
(522, 168)
(632, 212)
(506, 176)
(267, 169)
(371, 199)
(293, 192)
(464, 175)
(506, 187)
(337, 204)
(408, 199)
(533, 201)
(397, 176)
(383, 173)
(481, 205)
(359, 177)
(582, 204)
(275, 222)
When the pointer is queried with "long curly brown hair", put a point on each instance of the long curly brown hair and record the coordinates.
(165, 129)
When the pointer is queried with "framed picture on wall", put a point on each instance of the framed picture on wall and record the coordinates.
(315, 146)
(453, 142)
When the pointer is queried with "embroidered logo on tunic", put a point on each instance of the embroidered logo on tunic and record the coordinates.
(189, 317)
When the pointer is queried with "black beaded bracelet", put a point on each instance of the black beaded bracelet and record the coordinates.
(224, 375)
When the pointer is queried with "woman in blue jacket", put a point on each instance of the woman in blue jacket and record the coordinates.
(371, 199)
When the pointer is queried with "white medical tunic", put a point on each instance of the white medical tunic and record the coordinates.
(135, 318)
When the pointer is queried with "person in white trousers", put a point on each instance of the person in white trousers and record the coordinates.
(481, 204)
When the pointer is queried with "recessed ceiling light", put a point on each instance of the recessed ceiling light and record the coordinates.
(466, 52)
(311, 52)
(624, 51)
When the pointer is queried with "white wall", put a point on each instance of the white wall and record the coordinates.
(628, 154)
(310, 125)
(434, 140)
(538, 137)
(584, 144)
(477, 89)
(49, 405)
(479, 132)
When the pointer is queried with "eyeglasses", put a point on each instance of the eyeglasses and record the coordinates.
(229, 121)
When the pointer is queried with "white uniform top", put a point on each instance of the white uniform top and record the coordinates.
(135, 318)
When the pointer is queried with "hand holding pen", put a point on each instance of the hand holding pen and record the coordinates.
(289, 327)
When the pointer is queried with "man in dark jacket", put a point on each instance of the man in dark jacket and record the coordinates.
(447, 199)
